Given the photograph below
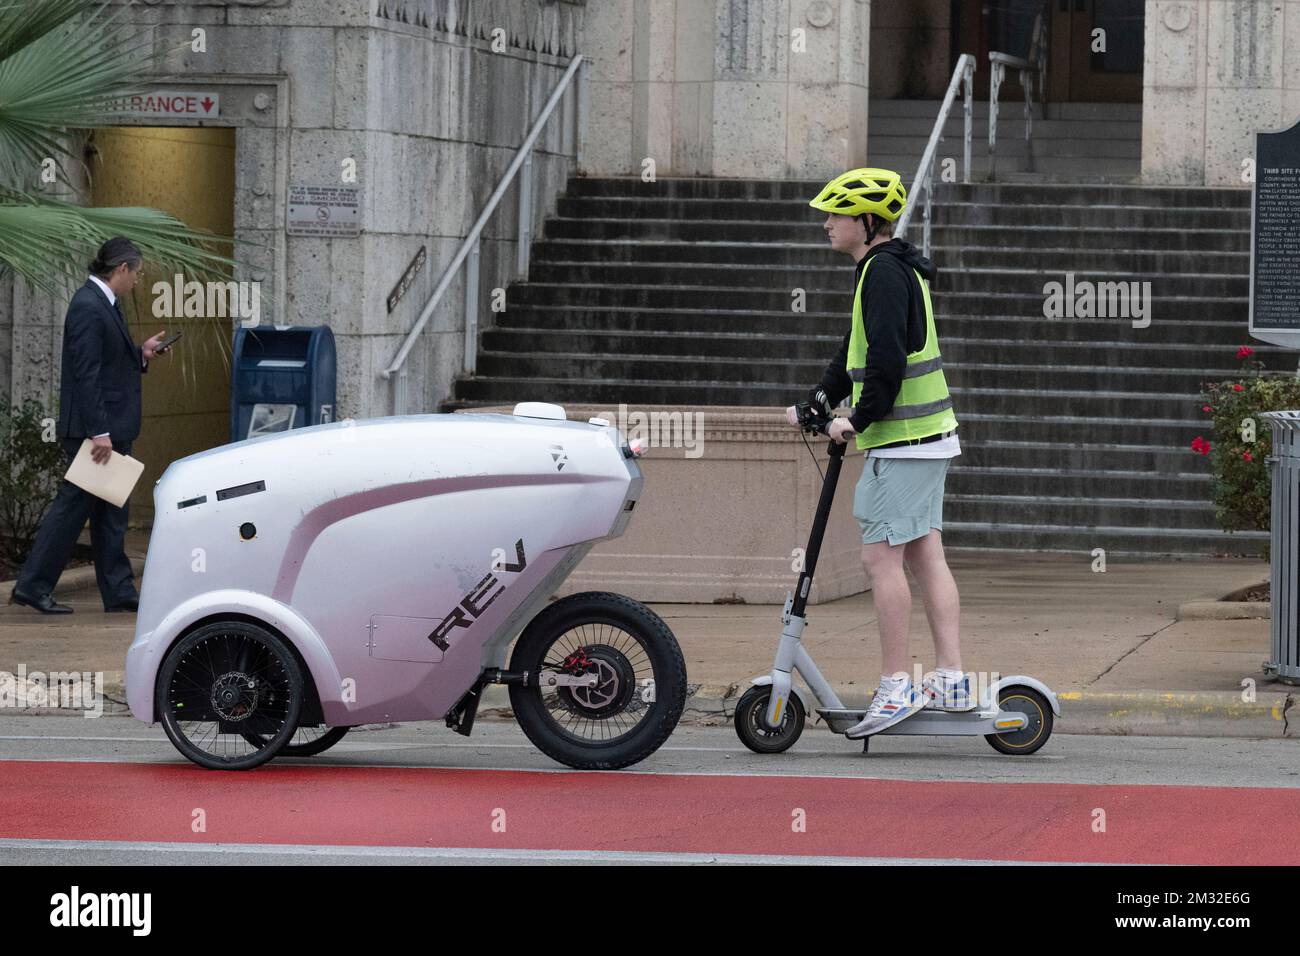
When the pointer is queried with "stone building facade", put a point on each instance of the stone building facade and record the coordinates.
(431, 98)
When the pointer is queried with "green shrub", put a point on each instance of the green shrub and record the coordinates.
(30, 470)
(1241, 440)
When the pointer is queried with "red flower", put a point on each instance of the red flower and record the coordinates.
(1239, 388)
(1206, 408)
(1248, 456)
(1245, 352)
(1200, 445)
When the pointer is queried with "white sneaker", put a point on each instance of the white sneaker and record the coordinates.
(888, 709)
(951, 694)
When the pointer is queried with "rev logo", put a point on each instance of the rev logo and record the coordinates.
(473, 604)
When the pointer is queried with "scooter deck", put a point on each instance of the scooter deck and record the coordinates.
(972, 723)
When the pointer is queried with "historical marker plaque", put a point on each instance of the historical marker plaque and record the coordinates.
(1275, 239)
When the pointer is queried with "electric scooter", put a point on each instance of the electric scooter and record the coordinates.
(1014, 714)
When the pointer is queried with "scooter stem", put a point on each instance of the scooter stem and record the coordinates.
(836, 453)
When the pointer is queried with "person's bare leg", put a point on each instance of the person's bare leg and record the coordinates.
(893, 597)
(925, 559)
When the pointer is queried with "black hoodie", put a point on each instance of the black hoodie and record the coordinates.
(893, 313)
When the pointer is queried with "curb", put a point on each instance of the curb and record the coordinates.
(1180, 714)
(76, 580)
(1136, 713)
(1224, 610)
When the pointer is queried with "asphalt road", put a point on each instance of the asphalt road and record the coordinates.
(114, 791)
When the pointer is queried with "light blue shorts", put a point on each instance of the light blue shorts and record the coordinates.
(899, 499)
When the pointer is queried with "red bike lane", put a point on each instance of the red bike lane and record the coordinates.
(649, 812)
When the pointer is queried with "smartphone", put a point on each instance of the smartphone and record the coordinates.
(165, 344)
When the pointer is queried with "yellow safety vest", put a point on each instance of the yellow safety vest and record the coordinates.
(923, 407)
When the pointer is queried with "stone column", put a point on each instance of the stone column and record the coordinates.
(1216, 72)
(762, 88)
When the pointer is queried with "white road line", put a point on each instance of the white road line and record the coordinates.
(349, 746)
(630, 772)
(491, 854)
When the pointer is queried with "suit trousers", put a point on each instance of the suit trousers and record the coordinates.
(60, 529)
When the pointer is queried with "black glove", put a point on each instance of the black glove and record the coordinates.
(818, 398)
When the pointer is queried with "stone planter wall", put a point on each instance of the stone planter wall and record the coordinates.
(729, 496)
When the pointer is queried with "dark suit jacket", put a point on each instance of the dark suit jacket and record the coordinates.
(100, 389)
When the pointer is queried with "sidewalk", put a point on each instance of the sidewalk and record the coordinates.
(1109, 644)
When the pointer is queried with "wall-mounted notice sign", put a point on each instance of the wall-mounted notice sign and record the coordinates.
(324, 211)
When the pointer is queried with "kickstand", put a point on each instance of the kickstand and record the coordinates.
(866, 744)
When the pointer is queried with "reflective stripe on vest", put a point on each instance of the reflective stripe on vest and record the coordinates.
(923, 406)
(912, 370)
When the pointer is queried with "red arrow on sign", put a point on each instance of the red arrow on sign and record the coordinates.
(206, 103)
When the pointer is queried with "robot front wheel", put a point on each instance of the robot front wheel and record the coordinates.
(229, 695)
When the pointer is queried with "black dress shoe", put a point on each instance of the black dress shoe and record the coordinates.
(46, 604)
(130, 604)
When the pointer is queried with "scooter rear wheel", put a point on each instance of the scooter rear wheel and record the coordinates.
(1027, 701)
(640, 690)
(751, 722)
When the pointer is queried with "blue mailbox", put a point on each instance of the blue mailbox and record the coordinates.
(282, 378)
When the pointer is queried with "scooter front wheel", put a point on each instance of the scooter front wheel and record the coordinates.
(639, 690)
(752, 727)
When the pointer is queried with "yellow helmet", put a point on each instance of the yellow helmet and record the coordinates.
(859, 191)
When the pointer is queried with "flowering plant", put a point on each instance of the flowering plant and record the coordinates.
(1238, 440)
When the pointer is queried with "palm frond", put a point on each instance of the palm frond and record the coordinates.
(25, 22)
(48, 243)
(68, 75)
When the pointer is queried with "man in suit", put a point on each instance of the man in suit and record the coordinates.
(99, 398)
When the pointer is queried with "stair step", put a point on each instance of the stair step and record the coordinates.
(1075, 432)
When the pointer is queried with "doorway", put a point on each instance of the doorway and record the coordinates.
(1075, 72)
(188, 172)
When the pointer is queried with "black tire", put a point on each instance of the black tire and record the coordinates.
(224, 682)
(624, 643)
(1033, 705)
(751, 723)
(306, 741)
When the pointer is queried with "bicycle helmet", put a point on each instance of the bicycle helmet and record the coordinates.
(860, 191)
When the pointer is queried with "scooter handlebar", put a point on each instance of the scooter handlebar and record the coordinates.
(813, 418)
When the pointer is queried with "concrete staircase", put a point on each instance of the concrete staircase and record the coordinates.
(1075, 432)
(1074, 142)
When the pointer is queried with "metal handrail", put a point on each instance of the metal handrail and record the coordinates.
(469, 249)
(998, 65)
(963, 73)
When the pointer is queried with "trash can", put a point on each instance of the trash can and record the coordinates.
(282, 378)
(1284, 557)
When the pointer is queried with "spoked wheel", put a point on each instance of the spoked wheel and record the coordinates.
(639, 690)
(752, 727)
(229, 695)
(1027, 701)
(306, 741)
